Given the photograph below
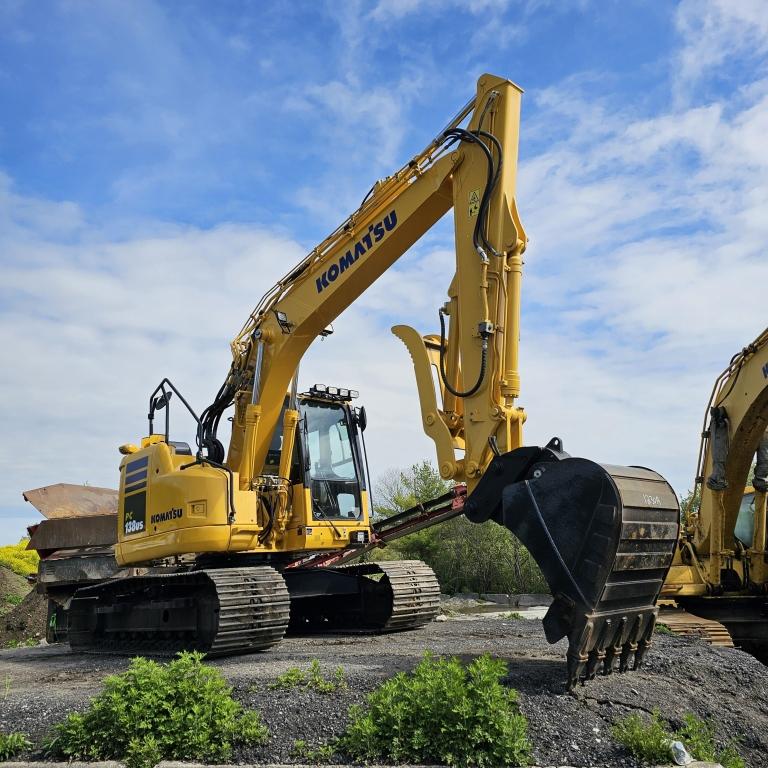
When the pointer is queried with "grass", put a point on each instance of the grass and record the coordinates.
(513, 615)
(26, 642)
(313, 755)
(442, 713)
(663, 629)
(182, 710)
(12, 744)
(13, 599)
(648, 739)
(312, 679)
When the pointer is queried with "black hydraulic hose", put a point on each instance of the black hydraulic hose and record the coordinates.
(264, 535)
(479, 241)
(461, 134)
(483, 363)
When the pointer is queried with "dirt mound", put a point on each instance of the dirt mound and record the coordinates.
(13, 588)
(25, 622)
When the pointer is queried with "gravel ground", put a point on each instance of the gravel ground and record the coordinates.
(681, 675)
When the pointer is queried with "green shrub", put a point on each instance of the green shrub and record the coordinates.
(292, 678)
(12, 744)
(649, 740)
(27, 642)
(663, 629)
(312, 679)
(699, 739)
(182, 710)
(441, 713)
(312, 755)
(19, 559)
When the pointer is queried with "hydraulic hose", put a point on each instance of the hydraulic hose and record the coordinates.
(483, 363)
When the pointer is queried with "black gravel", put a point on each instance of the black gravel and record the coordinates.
(680, 675)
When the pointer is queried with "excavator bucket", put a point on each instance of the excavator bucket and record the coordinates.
(603, 537)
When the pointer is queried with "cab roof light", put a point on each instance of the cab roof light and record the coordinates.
(336, 393)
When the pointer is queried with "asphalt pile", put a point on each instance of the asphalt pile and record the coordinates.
(24, 623)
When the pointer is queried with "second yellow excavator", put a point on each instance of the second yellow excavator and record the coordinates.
(237, 547)
(720, 569)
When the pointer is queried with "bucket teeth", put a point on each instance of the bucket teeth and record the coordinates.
(595, 657)
(626, 651)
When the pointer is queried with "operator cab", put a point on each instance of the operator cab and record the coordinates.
(329, 440)
(328, 457)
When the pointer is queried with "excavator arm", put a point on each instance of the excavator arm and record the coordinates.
(472, 170)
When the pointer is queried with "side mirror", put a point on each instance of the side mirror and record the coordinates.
(361, 419)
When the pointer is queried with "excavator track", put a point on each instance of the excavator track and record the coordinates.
(220, 612)
(680, 622)
(369, 598)
(415, 594)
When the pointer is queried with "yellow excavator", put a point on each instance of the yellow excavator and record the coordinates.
(236, 547)
(720, 570)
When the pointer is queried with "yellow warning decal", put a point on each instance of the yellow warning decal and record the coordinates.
(474, 202)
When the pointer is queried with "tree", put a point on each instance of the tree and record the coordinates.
(465, 556)
(398, 489)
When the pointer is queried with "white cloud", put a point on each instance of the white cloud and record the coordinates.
(716, 31)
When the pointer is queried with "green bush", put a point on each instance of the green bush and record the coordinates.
(441, 713)
(312, 755)
(19, 559)
(649, 739)
(12, 744)
(699, 739)
(312, 679)
(27, 642)
(182, 710)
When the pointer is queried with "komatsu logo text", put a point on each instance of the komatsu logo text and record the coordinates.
(164, 517)
(375, 233)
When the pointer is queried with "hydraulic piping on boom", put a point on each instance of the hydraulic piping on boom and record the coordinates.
(230, 542)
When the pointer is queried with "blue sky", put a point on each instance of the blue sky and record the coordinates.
(161, 164)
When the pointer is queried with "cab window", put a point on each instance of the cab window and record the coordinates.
(330, 461)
